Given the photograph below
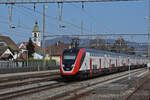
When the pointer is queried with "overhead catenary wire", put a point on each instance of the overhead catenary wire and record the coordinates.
(55, 18)
(91, 17)
(32, 9)
(36, 11)
(57, 1)
(12, 34)
(22, 26)
(10, 11)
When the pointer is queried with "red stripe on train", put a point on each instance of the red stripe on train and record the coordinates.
(61, 69)
(100, 65)
(90, 67)
(122, 64)
(77, 64)
(116, 66)
(109, 65)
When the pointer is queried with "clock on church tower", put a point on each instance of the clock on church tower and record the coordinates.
(36, 34)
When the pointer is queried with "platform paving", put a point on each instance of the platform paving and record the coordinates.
(122, 89)
(13, 75)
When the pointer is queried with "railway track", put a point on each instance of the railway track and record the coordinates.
(69, 90)
(29, 89)
(141, 92)
(56, 88)
(22, 76)
(16, 85)
(81, 91)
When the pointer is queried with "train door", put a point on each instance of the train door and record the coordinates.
(105, 61)
(101, 64)
(116, 63)
(119, 63)
(110, 61)
(87, 61)
(113, 63)
(106, 69)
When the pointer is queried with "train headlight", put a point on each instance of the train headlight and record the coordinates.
(63, 65)
(73, 65)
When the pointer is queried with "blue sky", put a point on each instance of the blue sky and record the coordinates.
(102, 17)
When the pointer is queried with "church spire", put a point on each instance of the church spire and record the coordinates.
(36, 34)
(36, 27)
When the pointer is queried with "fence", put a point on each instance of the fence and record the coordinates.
(22, 66)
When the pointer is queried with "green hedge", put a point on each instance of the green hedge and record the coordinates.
(40, 60)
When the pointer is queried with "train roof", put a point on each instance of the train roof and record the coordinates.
(109, 53)
(112, 53)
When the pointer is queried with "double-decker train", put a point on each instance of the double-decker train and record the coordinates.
(84, 63)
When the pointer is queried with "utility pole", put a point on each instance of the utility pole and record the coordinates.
(43, 63)
(60, 7)
(82, 19)
(10, 15)
(82, 27)
(149, 31)
(148, 52)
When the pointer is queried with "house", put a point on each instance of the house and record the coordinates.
(36, 42)
(6, 53)
(23, 45)
(8, 49)
(36, 55)
(54, 50)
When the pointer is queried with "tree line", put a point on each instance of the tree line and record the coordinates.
(119, 46)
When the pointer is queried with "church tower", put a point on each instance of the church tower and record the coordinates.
(36, 34)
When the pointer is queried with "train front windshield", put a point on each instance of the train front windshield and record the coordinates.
(69, 56)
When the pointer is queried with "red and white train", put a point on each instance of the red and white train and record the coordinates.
(83, 63)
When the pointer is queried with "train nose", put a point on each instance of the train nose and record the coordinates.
(68, 67)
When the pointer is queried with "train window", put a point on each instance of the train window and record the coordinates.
(82, 59)
(71, 56)
(112, 65)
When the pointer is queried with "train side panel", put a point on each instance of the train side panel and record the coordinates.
(92, 63)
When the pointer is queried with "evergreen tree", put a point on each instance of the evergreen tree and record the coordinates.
(30, 48)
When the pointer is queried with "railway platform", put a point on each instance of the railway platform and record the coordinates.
(136, 87)
(13, 76)
(117, 86)
(142, 92)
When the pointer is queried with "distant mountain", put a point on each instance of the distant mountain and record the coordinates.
(67, 40)
(85, 43)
